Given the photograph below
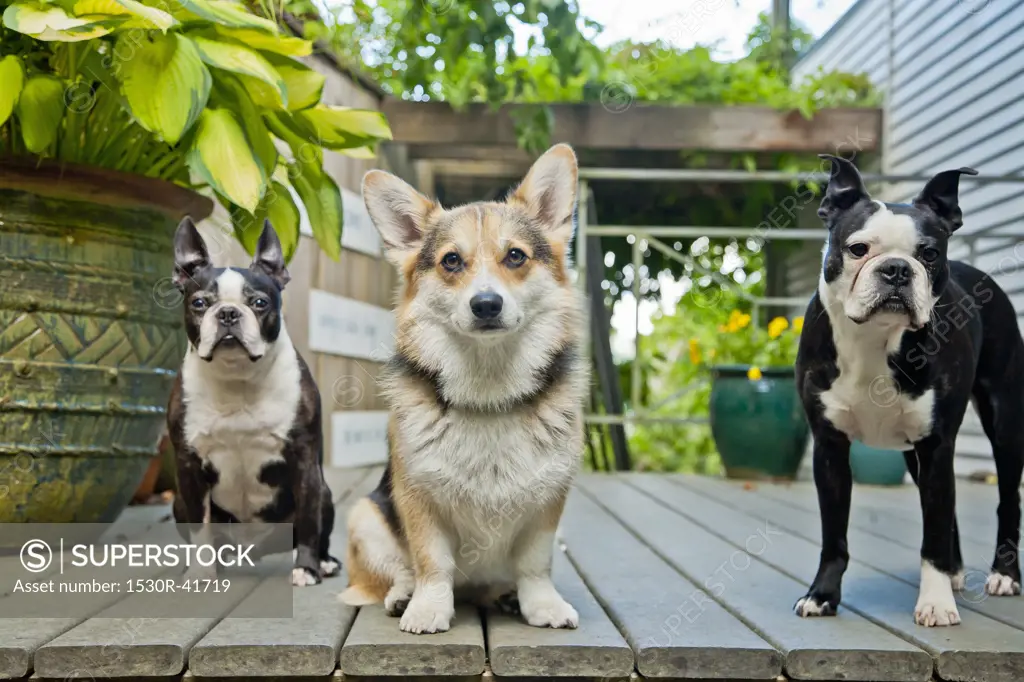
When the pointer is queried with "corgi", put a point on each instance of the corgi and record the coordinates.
(486, 391)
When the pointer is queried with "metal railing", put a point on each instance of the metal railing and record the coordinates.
(653, 235)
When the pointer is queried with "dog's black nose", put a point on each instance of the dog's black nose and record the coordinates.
(486, 305)
(896, 272)
(228, 316)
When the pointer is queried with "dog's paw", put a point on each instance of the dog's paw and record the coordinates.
(936, 612)
(330, 567)
(551, 612)
(810, 607)
(303, 577)
(425, 616)
(1001, 585)
(958, 581)
(508, 603)
(396, 602)
(936, 605)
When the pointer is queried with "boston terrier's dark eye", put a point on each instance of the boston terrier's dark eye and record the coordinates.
(858, 250)
(452, 262)
(929, 254)
(260, 303)
(198, 304)
(515, 257)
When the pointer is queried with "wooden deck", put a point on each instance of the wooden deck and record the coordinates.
(673, 577)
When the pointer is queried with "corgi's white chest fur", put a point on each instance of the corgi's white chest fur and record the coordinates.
(490, 475)
(241, 427)
(865, 401)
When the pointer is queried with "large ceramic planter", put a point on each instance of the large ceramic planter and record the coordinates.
(872, 466)
(758, 424)
(90, 336)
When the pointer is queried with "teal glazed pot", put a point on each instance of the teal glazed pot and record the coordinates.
(758, 425)
(874, 466)
(91, 336)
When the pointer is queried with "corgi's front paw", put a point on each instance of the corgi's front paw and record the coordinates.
(550, 612)
(425, 616)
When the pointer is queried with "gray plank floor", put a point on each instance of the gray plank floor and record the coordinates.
(674, 577)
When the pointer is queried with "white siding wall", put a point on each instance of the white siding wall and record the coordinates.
(953, 74)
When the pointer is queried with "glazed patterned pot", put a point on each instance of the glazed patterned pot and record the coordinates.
(758, 425)
(90, 336)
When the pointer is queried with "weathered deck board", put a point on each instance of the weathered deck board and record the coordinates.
(595, 649)
(21, 637)
(698, 575)
(151, 646)
(307, 644)
(978, 649)
(645, 597)
(874, 510)
(376, 647)
(132, 523)
(846, 647)
(885, 555)
(132, 647)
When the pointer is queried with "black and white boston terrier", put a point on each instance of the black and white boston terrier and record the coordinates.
(896, 341)
(244, 415)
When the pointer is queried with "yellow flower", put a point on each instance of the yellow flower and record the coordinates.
(737, 321)
(776, 327)
(694, 352)
(798, 324)
(753, 373)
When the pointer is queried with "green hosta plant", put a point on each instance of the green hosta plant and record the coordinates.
(204, 93)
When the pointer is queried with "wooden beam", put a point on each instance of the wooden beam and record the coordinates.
(644, 127)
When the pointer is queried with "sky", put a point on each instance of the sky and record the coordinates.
(688, 22)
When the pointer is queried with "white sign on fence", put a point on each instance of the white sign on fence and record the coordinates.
(343, 326)
(359, 234)
(359, 438)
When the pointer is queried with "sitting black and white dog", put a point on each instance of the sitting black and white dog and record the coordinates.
(896, 341)
(244, 415)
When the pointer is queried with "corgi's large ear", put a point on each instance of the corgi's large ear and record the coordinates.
(190, 253)
(397, 210)
(941, 195)
(845, 188)
(549, 190)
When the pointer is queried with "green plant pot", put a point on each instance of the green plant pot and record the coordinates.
(873, 466)
(90, 336)
(759, 425)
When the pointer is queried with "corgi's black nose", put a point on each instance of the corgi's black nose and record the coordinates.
(486, 305)
(228, 316)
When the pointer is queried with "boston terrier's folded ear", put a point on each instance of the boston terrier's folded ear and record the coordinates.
(190, 254)
(269, 257)
(845, 188)
(941, 196)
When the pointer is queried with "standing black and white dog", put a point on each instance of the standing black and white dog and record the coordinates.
(896, 341)
(244, 415)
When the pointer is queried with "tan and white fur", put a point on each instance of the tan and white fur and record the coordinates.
(486, 393)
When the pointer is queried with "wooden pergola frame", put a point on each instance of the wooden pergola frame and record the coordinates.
(438, 133)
